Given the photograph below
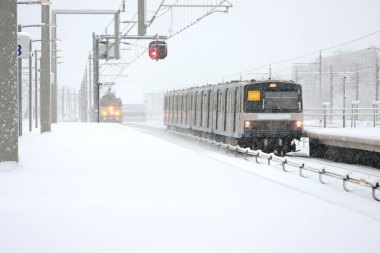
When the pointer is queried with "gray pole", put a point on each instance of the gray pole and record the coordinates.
(30, 109)
(320, 77)
(117, 35)
(19, 71)
(85, 98)
(45, 96)
(344, 102)
(68, 105)
(270, 71)
(54, 110)
(95, 66)
(36, 86)
(377, 76)
(75, 105)
(8, 81)
(357, 82)
(141, 6)
(331, 90)
(90, 89)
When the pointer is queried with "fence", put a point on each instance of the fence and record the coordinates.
(343, 117)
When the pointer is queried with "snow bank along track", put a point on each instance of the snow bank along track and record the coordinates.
(345, 175)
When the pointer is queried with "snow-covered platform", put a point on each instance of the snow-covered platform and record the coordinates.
(355, 138)
(103, 188)
(350, 145)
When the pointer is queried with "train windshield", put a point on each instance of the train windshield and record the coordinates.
(273, 97)
(281, 100)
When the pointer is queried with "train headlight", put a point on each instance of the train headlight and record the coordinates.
(104, 113)
(247, 125)
(299, 124)
(117, 113)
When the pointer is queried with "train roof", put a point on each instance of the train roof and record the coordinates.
(232, 84)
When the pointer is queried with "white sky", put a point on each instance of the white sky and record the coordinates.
(254, 33)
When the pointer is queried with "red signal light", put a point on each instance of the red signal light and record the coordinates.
(158, 50)
(153, 53)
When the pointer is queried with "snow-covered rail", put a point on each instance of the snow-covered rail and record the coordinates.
(345, 177)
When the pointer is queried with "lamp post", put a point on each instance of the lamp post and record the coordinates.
(344, 102)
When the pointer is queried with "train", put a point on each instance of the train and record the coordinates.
(111, 109)
(262, 115)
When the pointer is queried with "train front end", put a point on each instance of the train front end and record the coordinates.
(111, 109)
(273, 116)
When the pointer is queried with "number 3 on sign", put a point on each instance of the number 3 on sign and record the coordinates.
(19, 52)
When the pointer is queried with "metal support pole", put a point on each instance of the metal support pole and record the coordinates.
(320, 77)
(19, 72)
(54, 92)
(325, 107)
(377, 76)
(69, 104)
(45, 96)
(357, 82)
(75, 106)
(8, 81)
(36, 86)
(95, 65)
(344, 102)
(141, 6)
(85, 100)
(30, 109)
(116, 45)
(270, 72)
(331, 90)
(90, 85)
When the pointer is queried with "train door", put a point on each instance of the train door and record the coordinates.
(171, 110)
(194, 108)
(217, 109)
(183, 122)
(229, 115)
(204, 109)
(225, 110)
(189, 97)
(235, 107)
(209, 116)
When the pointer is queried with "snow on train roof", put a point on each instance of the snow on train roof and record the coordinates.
(233, 84)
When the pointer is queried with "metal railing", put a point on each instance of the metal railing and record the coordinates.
(339, 117)
(285, 162)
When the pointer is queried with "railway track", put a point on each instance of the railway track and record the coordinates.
(303, 165)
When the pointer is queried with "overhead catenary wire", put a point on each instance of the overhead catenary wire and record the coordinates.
(340, 45)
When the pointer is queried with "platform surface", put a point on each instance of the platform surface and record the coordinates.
(104, 188)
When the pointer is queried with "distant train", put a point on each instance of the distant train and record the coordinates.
(111, 109)
(265, 115)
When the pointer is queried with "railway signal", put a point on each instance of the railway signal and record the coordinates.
(158, 50)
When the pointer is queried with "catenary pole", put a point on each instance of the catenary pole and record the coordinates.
(8, 80)
(320, 77)
(30, 109)
(19, 72)
(45, 92)
(54, 85)
(36, 86)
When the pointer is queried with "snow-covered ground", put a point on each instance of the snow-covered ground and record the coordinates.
(110, 188)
